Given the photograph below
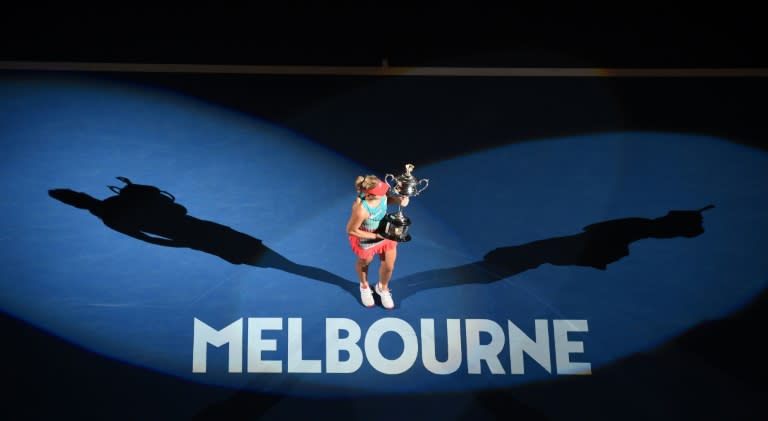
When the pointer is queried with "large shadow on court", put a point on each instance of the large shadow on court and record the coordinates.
(152, 215)
(596, 246)
(149, 214)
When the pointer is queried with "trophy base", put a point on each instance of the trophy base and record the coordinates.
(394, 227)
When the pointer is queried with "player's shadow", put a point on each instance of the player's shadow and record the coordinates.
(152, 215)
(596, 246)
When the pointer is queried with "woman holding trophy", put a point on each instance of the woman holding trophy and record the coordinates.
(369, 209)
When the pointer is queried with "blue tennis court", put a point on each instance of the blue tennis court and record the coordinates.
(206, 244)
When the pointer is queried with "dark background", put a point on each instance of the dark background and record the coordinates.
(47, 376)
(363, 33)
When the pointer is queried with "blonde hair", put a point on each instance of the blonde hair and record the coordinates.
(363, 183)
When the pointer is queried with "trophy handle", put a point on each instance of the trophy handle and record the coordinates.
(426, 183)
(387, 177)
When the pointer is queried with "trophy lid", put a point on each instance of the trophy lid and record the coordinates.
(407, 175)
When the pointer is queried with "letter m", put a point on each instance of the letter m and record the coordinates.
(204, 335)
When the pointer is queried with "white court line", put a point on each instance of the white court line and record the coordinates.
(385, 70)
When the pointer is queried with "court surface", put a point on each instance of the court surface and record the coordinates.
(598, 245)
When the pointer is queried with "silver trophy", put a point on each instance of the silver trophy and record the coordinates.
(395, 226)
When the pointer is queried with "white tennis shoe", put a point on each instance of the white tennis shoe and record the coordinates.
(366, 296)
(386, 298)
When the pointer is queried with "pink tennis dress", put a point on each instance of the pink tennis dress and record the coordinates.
(365, 248)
